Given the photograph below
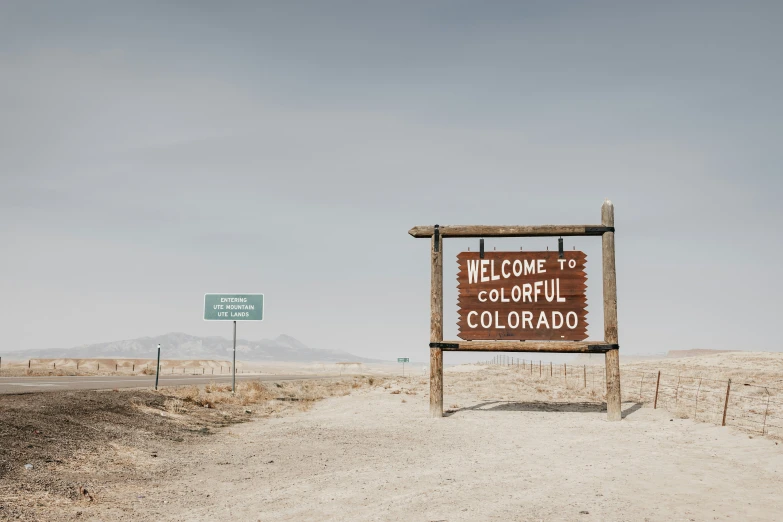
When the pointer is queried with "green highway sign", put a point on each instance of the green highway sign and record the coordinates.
(233, 307)
(403, 359)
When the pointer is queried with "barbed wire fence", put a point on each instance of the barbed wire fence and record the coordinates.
(125, 366)
(752, 407)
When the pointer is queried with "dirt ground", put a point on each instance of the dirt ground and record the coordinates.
(508, 449)
(99, 440)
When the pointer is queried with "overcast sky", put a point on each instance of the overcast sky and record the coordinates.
(150, 153)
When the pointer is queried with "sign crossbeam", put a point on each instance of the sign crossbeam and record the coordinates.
(510, 230)
(526, 346)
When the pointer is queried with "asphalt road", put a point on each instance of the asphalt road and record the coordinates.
(110, 382)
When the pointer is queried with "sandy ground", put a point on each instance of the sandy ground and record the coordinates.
(507, 451)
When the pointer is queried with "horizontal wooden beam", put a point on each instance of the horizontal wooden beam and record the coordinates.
(510, 231)
(526, 346)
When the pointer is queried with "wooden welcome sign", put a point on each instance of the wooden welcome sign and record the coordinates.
(522, 296)
(523, 301)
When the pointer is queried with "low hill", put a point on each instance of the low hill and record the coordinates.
(184, 346)
(694, 353)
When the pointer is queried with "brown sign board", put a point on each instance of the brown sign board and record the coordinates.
(522, 296)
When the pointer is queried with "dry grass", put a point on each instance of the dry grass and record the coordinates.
(273, 398)
(174, 405)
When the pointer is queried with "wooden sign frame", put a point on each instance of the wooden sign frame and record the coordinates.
(609, 346)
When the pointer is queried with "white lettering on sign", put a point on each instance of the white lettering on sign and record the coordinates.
(522, 292)
(483, 270)
(473, 270)
(545, 319)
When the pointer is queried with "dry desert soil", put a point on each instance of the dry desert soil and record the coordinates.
(508, 449)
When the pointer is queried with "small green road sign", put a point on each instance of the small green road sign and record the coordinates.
(233, 307)
(403, 359)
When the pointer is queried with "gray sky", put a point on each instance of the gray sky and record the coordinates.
(151, 153)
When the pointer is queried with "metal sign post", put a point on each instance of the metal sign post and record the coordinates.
(234, 373)
(234, 307)
(403, 360)
(157, 369)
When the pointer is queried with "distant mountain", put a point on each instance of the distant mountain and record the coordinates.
(694, 353)
(184, 346)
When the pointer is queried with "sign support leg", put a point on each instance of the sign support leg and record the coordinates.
(234, 374)
(436, 326)
(613, 399)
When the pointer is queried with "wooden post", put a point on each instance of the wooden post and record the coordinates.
(612, 359)
(551, 371)
(565, 375)
(657, 384)
(641, 383)
(677, 392)
(726, 403)
(585, 371)
(436, 325)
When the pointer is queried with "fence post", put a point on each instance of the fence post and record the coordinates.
(551, 372)
(539, 367)
(677, 391)
(764, 426)
(726, 404)
(641, 383)
(696, 407)
(657, 384)
(565, 375)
